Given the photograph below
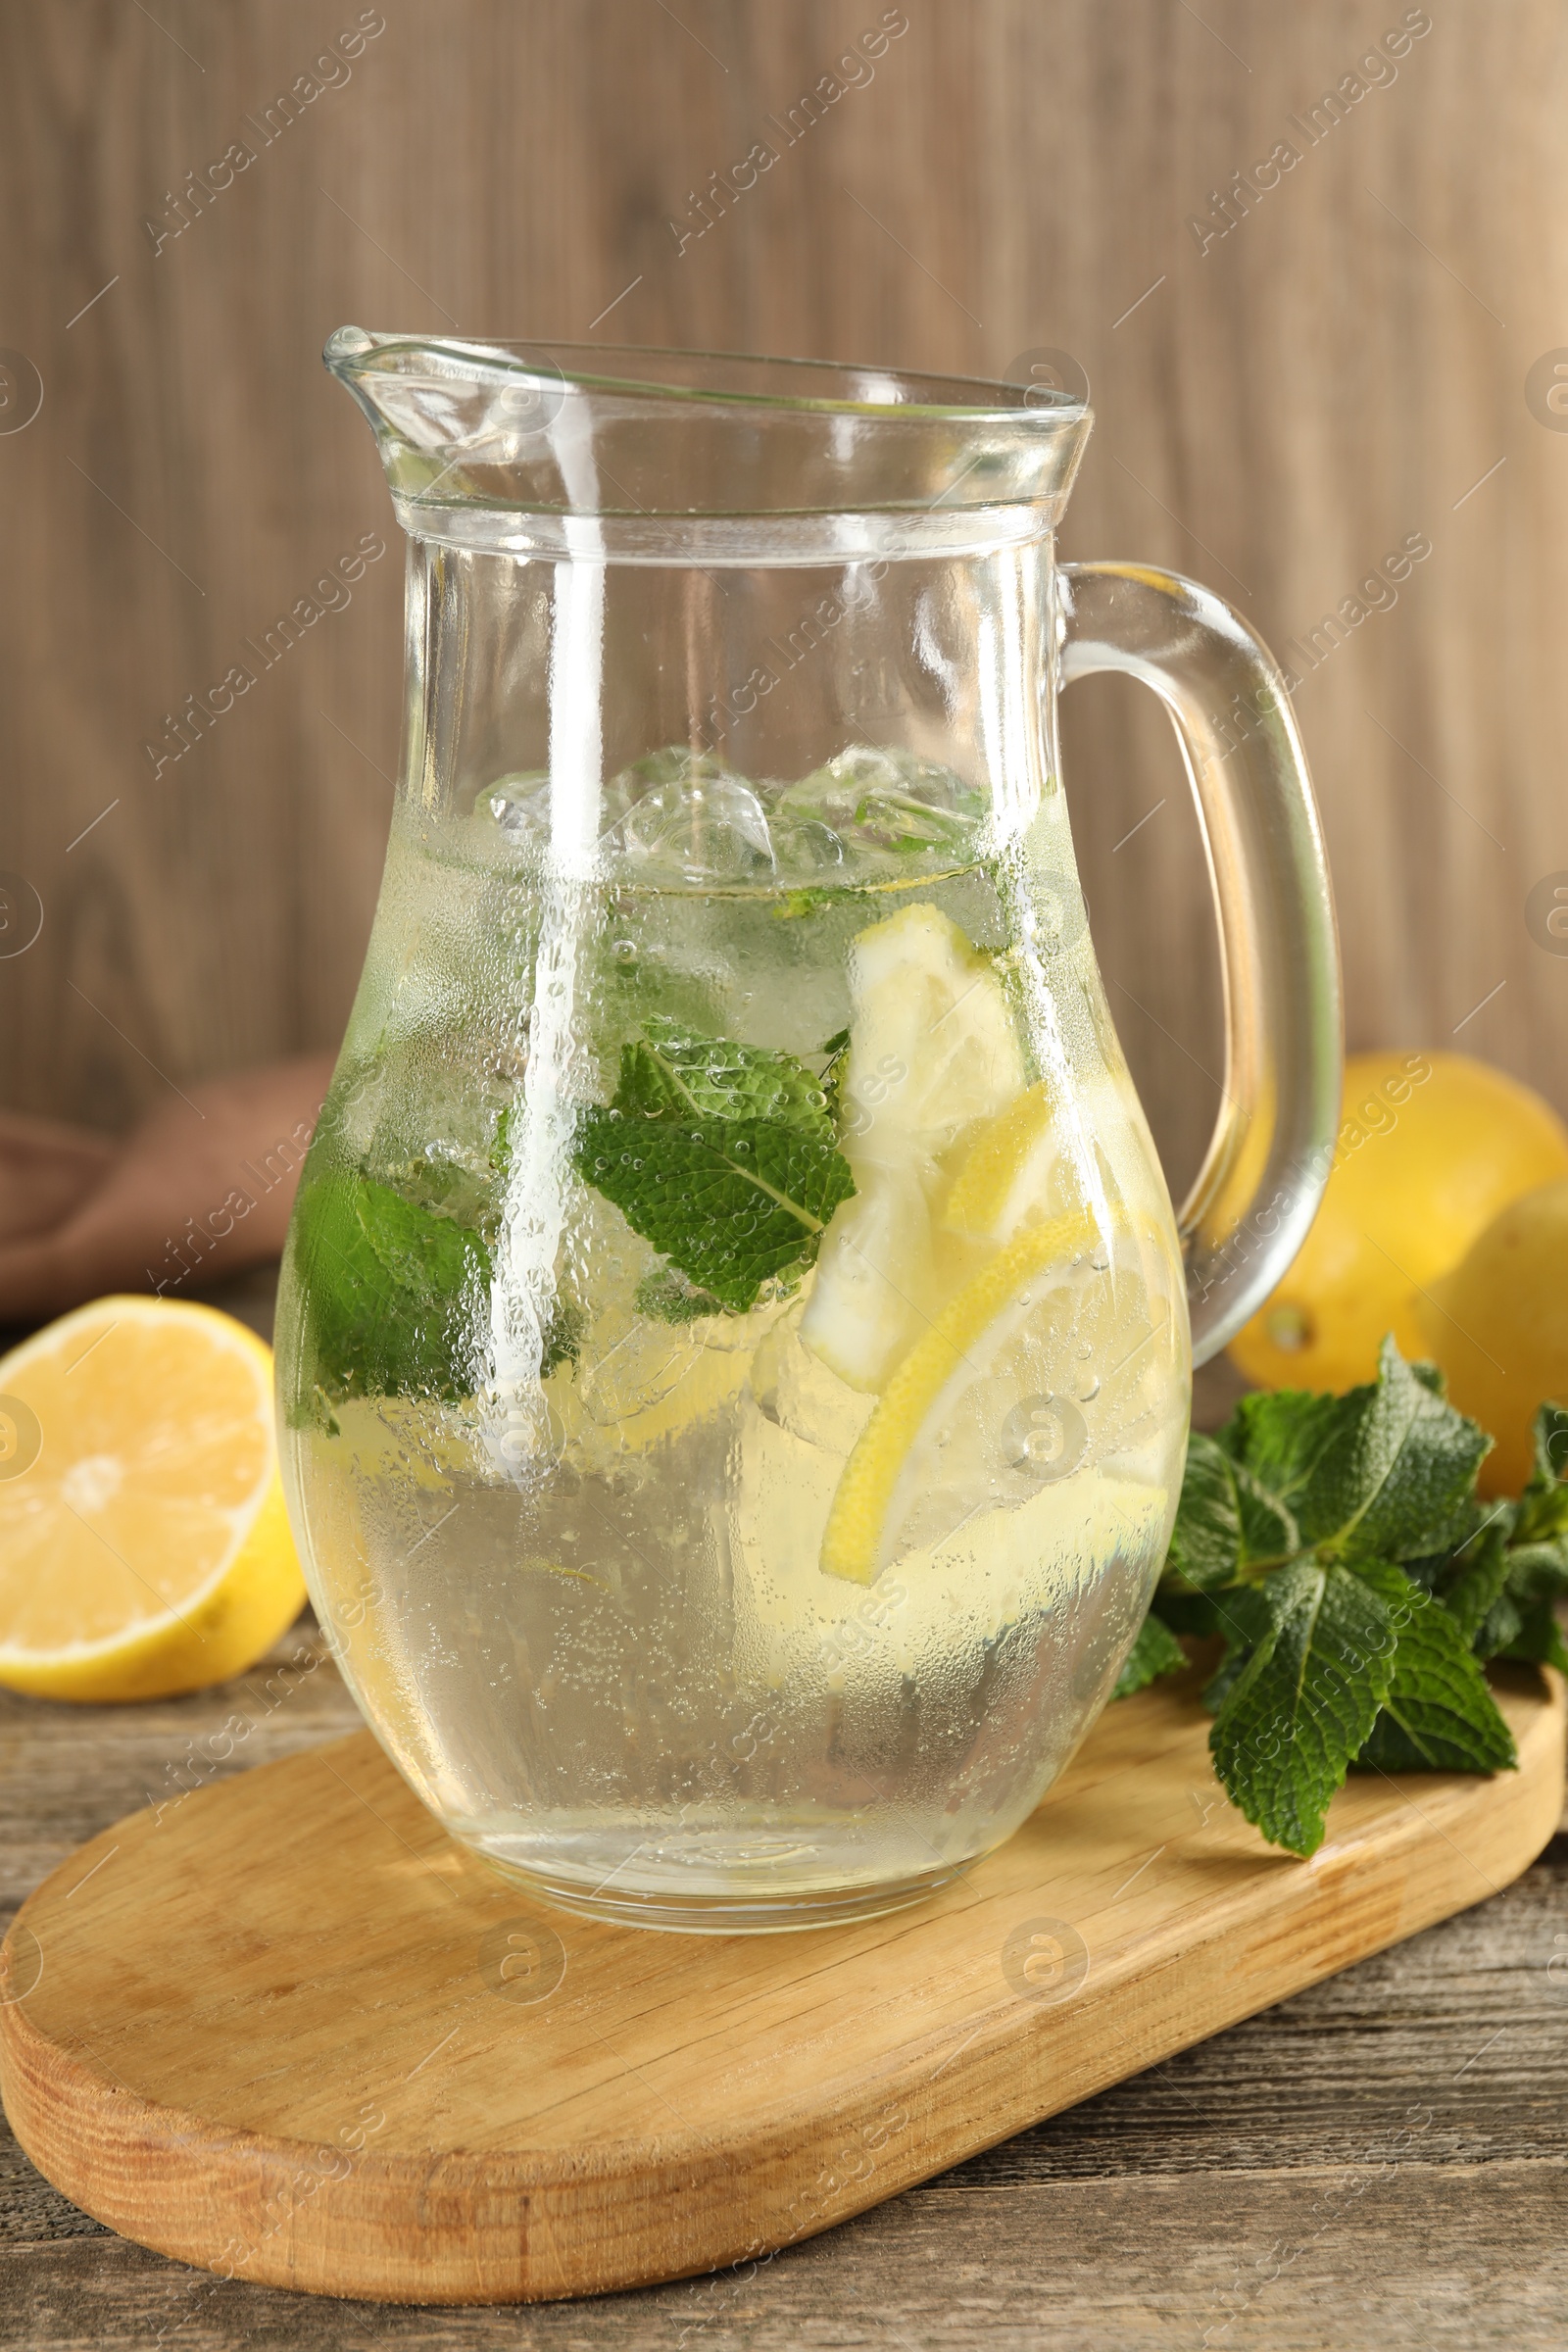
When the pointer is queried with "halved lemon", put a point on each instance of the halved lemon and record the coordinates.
(144, 1546)
(867, 1505)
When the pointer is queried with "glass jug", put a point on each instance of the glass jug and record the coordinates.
(734, 1352)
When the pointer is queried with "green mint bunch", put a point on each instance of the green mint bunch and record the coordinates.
(1337, 1546)
(723, 1156)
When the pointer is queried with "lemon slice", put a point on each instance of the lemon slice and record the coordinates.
(144, 1546)
(1000, 1173)
(864, 1507)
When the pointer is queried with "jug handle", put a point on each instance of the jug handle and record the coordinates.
(1263, 1174)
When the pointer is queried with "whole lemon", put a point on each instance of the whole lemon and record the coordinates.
(1497, 1325)
(1431, 1147)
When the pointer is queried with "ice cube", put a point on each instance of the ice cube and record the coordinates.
(707, 825)
(519, 806)
(676, 764)
(889, 800)
(807, 850)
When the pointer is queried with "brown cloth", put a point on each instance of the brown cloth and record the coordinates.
(200, 1191)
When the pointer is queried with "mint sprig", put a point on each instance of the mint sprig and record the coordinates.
(1338, 1546)
(722, 1156)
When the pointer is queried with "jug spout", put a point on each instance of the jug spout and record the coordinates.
(447, 415)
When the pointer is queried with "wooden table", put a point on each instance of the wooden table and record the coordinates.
(1380, 2162)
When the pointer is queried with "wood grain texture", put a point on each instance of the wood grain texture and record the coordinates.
(288, 2030)
(1254, 2183)
(1346, 368)
(1379, 2250)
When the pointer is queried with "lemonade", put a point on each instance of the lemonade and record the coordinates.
(733, 1348)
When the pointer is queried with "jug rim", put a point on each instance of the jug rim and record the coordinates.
(702, 456)
(352, 351)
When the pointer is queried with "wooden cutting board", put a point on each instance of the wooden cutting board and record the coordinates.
(288, 2031)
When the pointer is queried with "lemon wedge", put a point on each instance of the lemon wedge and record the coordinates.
(144, 1546)
(864, 1507)
(933, 1044)
(933, 1048)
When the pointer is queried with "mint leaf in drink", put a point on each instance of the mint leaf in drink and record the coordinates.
(795, 904)
(420, 1251)
(563, 1336)
(672, 1073)
(732, 1204)
(1306, 1700)
(1439, 1715)
(394, 1290)
(721, 1156)
(1155, 1651)
(834, 1056)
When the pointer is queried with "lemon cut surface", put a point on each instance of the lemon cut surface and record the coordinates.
(866, 1507)
(144, 1546)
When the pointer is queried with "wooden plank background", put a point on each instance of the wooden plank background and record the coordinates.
(1346, 368)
